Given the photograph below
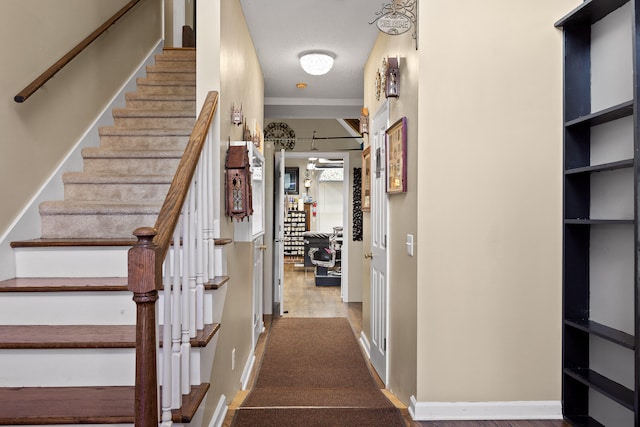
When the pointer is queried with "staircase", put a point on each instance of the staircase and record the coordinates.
(67, 321)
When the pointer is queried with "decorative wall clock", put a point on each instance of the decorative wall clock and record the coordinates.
(281, 135)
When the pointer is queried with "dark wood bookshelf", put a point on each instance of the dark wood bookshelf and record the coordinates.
(580, 331)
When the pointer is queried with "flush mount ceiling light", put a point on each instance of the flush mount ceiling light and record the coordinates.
(316, 63)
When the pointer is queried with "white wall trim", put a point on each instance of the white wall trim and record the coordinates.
(514, 410)
(365, 344)
(248, 367)
(220, 413)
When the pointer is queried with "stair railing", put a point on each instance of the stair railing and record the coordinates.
(177, 256)
(62, 62)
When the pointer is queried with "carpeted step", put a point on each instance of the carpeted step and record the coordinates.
(153, 119)
(169, 75)
(135, 162)
(116, 138)
(172, 67)
(92, 220)
(82, 186)
(147, 85)
(186, 54)
(147, 101)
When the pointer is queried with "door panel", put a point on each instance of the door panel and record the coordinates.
(379, 285)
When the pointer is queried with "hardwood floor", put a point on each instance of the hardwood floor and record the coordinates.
(303, 299)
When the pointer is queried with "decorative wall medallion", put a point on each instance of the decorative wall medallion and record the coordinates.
(281, 135)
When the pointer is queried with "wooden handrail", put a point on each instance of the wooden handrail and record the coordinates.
(145, 266)
(170, 211)
(51, 71)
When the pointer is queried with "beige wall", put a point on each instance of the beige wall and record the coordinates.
(489, 200)
(40, 132)
(402, 277)
(239, 79)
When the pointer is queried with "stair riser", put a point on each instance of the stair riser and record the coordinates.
(89, 308)
(94, 226)
(146, 166)
(72, 261)
(189, 76)
(144, 143)
(161, 105)
(155, 122)
(80, 367)
(116, 192)
(175, 57)
(172, 67)
(166, 90)
(67, 308)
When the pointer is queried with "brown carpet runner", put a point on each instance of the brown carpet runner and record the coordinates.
(313, 373)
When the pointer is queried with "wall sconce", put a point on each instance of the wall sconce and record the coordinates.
(236, 115)
(392, 86)
(364, 121)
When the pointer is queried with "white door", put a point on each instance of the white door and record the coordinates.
(379, 285)
(258, 260)
(278, 243)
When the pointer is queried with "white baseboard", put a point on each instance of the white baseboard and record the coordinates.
(220, 412)
(246, 373)
(516, 410)
(365, 344)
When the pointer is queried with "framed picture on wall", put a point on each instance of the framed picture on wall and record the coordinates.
(366, 180)
(397, 157)
(291, 180)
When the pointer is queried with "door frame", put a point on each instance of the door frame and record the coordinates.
(346, 188)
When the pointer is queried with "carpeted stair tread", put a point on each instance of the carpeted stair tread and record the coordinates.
(110, 153)
(104, 178)
(92, 208)
(153, 132)
(146, 81)
(137, 96)
(172, 67)
(84, 336)
(82, 405)
(158, 114)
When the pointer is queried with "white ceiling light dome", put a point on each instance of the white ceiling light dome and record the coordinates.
(316, 62)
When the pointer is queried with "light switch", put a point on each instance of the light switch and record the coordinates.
(410, 244)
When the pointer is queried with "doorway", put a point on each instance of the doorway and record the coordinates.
(300, 296)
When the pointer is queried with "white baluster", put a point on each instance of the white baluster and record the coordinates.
(202, 248)
(176, 328)
(192, 258)
(184, 297)
(210, 203)
(166, 339)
